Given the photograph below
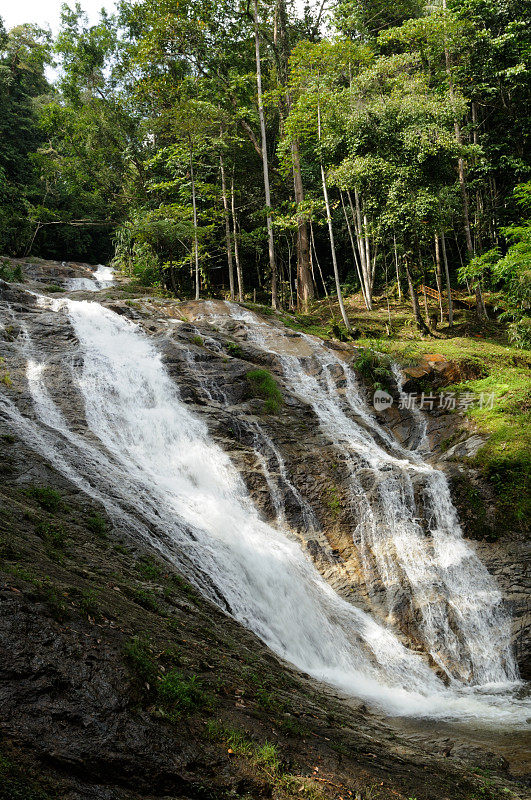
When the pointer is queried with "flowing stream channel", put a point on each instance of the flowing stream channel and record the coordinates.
(160, 474)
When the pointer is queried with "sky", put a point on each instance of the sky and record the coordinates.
(46, 12)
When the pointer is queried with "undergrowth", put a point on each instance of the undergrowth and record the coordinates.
(265, 386)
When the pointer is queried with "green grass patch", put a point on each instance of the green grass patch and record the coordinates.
(148, 568)
(234, 350)
(97, 524)
(180, 693)
(140, 659)
(52, 535)
(49, 499)
(144, 598)
(198, 340)
(505, 459)
(265, 386)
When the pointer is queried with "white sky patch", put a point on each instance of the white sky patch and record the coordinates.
(47, 13)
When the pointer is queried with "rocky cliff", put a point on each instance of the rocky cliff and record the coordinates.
(119, 680)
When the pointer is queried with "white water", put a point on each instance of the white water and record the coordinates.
(451, 600)
(103, 278)
(156, 457)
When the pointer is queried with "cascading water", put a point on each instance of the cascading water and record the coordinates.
(155, 466)
(454, 603)
(103, 278)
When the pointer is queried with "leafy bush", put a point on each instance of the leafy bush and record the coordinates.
(138, 656)
(265, 386)
(179, 692)
(52, 535)
(46, 497)
(234, 350)
(97, 524)
(375, 368)
(11, 272)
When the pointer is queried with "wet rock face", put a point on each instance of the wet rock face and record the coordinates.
(434, 371)
(292, 471)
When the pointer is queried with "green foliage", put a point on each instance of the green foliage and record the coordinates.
(47, 593)
(52, 535)
(375, 368)
(11, 272)
(49, 499)
(265, 386)
(145, 598)
(139, 657)
(180, 693)
(97, 524)
(148, 568)
(234, 350)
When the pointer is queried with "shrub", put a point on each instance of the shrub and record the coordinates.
(375, 368)
(265, 386)
(235, 350)
(11, 272)
(52, 535)
(97, 524)
(46, 497)
(179, 692)
(138, 656)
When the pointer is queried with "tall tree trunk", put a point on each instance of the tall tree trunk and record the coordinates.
(421, 325)
(447, 276)
(236, 245)
(305, 287)
(227, 227)
(354, 253)
(265, 164)
(365, 266)
(331, 232)
(318, 263)
(397, 271)
(480, 306)
(305, 284)
(438, 276)
(194, 206)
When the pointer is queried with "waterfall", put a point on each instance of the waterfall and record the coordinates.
(159, 473)
(103, 278)
(454, 602)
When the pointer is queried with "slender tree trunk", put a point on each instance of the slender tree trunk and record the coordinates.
(236, 245)
(265, 164)
(438, 275)
(305, 287)
(331, 233)
(448, 287)
(194, 206)
(397, 271)
(317, 262)
(227, 227)
(370, 270)
(480, 306)
(421, 325)
(353, 246)
(365, 266)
